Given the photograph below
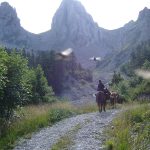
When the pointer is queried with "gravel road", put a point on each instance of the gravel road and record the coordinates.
(90, 136)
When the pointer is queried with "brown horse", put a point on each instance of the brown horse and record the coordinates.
(114, 98)
(101, 98)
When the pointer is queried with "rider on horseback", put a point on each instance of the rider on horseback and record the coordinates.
(101, 96)
(100, 86)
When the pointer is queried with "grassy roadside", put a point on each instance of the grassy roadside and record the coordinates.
(32, 118)
(131, 129)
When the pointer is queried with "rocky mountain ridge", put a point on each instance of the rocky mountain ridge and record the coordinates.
(12, 35)
(73, 27)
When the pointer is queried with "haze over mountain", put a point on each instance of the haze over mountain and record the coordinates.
(73, 27)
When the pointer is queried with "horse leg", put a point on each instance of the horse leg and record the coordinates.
(113, 104)
(111, 101)
(115, 101)
(100, 108)
(104, 106)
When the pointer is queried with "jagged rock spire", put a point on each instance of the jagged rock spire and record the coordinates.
(72, 21)
(9, 22)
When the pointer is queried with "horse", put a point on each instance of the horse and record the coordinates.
(106, 91)
(114, 98)
(101, 98)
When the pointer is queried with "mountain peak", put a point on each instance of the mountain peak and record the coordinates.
(71, 21)
(145, 13)
(8, 14)
(9, 23)
(6, 9)
(69, 2)
(5, 4)
(68, 9)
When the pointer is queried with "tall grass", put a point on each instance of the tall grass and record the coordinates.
(32, 118)
(131, 130)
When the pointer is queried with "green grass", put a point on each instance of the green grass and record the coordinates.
(32, 118)
(131, 129)
(67, 140)
(21, 128)
(62, 143)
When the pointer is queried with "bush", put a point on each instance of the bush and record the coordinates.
(123, 89)
(136, 118)
(58, 114)
(19, 84)
(16, 89)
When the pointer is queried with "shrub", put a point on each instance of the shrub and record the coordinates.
(136, 118)
(15, 89)
(59, 114)
(19, 84)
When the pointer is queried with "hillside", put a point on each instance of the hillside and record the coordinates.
(73, 27)
(132, 35)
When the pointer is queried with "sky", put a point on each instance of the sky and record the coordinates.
(36, 15)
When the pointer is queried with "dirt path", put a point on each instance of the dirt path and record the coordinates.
(88, 137)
